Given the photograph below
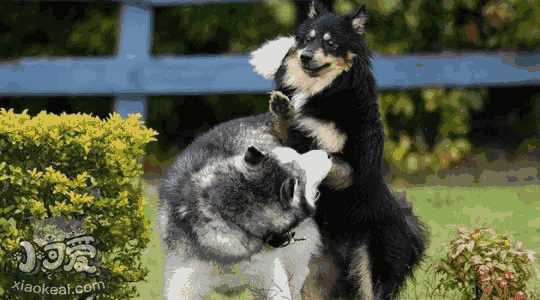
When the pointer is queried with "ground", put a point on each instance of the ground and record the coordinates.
(508, 209)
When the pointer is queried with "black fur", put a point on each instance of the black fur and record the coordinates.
(366, 213)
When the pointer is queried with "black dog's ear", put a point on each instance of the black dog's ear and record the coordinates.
(254, 156)
(316, 8)
(358, 19)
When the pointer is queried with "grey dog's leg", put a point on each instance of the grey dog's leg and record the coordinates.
(297, 256)
(268, 278)
(277, 284)
(187, 279)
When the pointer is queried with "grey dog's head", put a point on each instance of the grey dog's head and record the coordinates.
(243, 201)
(265, 193)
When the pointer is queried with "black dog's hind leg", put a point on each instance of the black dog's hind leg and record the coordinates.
(400, 258)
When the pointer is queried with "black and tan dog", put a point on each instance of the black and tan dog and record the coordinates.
(325, 97)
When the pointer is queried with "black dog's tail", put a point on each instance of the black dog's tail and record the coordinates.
(418, 230)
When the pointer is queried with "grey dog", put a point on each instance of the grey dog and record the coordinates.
(230, 202)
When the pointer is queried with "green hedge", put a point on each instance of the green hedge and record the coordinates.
(75, 168)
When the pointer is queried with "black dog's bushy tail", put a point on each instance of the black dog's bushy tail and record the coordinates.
(418, 237)
(418, 228)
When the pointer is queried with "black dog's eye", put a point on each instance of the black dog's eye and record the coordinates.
(331, 44)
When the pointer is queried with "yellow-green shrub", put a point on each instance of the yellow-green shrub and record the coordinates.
(77, 167)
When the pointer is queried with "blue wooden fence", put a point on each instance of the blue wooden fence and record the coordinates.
(134, 74)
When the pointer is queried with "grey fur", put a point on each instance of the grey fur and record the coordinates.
(225, 196)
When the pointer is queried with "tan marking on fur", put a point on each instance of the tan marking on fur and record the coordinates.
(327, 136)
(280, 123)
(360, 271)
(312, 13)
(298, 101)
(305, 84)
(340, 176)
(275, 96)
(359, 22)
(340, 62)
(346, 63)
(320, 58)
(280, 128)
(321, 279)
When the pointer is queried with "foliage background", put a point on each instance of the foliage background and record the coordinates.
(428, 130)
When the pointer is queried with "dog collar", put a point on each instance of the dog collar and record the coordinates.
(283, 240)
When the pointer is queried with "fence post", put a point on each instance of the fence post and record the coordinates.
(134, 47)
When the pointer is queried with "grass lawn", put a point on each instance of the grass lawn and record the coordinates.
(514, 210)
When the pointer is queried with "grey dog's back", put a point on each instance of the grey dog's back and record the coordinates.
(225, 140)
(233, 137)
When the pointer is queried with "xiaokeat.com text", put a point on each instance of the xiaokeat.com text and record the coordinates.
(67, 289)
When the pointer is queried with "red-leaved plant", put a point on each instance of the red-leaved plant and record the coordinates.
(482, 264)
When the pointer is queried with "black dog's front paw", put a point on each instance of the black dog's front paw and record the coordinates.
(280, 104)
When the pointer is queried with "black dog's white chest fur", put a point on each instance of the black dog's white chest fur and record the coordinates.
(325, 133)
(278, 56)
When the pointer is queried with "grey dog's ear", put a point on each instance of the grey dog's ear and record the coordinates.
(358, 19)
(316, 9)
(254, 156)
(287, 191)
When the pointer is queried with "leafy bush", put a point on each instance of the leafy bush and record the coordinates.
(74, 167)
(483, 264)
(427, 130)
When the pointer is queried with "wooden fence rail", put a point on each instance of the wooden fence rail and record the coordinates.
(134, 74)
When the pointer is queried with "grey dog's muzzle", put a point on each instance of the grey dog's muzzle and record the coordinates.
(283, 239)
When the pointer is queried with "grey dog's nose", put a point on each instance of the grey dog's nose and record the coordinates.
(306, 57)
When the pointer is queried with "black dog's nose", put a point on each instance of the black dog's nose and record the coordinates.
(306, 57)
